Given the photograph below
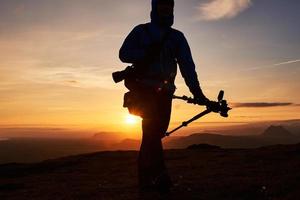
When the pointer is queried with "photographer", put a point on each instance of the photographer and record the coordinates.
(155, 49)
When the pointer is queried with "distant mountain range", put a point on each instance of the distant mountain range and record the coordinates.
(271, 136)
(37, 149)
(277, 131)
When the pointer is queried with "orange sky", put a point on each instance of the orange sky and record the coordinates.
(56, 61)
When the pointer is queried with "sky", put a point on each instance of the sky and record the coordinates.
(57, 56)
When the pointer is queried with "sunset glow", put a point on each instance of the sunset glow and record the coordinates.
(56, 60)
(131, 120)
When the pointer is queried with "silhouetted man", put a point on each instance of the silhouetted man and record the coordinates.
(155, 49)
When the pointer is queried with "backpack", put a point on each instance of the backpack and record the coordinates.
(134, 99)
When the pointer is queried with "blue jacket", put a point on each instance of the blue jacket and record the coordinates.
(175, 50)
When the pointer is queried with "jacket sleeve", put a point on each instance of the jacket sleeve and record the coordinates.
(131, 52)
(187, 66)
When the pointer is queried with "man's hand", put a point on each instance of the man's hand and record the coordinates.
(201, 99)
(214, 106)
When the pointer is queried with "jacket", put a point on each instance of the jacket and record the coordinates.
(175, 50)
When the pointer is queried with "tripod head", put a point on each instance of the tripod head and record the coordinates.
(219, 106)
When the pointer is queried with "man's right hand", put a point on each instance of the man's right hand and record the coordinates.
(201, 99)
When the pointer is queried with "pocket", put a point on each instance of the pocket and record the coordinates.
(134, 103)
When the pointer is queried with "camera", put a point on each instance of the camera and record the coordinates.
(121, 75)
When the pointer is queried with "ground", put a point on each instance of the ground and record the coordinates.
(241, 174)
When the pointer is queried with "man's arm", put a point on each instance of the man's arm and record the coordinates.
(130, 51)
(187, 68)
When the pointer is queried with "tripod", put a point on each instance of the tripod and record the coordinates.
(219, 106)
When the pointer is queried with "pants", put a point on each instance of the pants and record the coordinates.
(157, 111)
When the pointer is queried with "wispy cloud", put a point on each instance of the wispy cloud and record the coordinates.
(287, 62)
(260, 104)
(273, 65)
(222, 9)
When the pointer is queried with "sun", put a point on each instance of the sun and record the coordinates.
(131, 119)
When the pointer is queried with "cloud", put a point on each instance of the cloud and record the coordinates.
(273, 65)
(222, 9)
(260, 104)
(287, 62)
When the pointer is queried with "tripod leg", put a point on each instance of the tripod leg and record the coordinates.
(186, 123)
